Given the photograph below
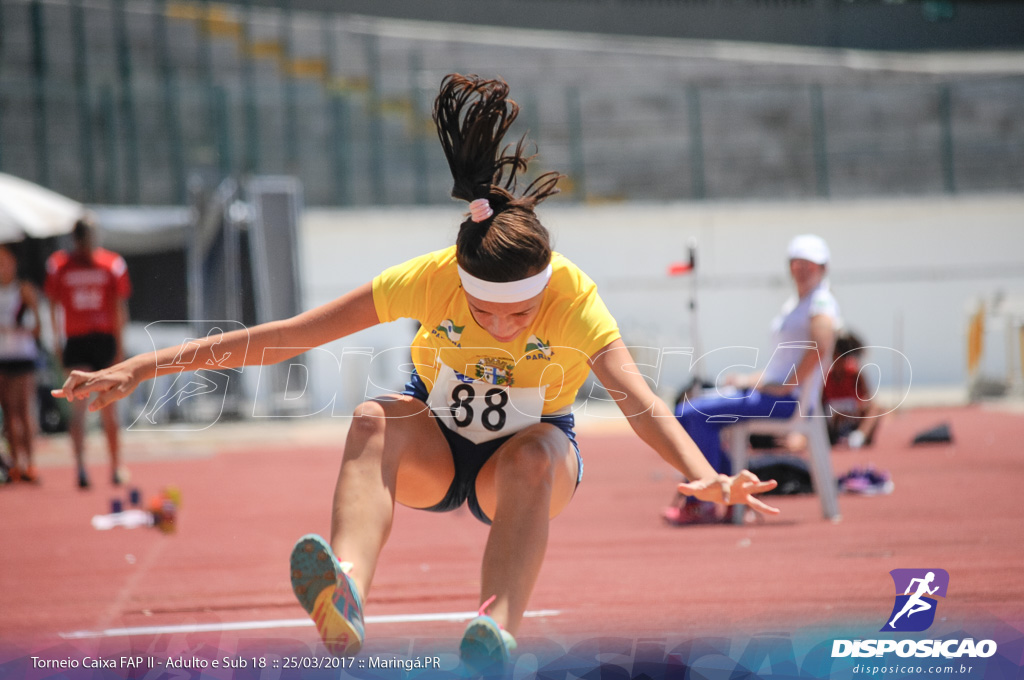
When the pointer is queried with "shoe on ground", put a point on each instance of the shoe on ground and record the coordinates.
(486, 647)
(866, 482)
(692, 512)
(30, 475)
(328, 595)
(120, 476)
(83, 479)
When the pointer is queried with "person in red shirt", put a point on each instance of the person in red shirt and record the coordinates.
(88, 288)
(847, 395)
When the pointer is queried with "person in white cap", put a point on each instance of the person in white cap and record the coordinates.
(811, 315)
(509, 333)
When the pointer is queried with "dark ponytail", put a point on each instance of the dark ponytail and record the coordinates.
(472, 116)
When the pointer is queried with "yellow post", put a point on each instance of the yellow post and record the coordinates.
(976, 340)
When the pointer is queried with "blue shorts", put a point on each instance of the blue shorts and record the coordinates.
(470, 457)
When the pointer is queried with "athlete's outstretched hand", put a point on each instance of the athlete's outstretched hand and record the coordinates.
(109, 385)
(736, 490)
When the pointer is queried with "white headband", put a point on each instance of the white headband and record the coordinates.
(509, 291)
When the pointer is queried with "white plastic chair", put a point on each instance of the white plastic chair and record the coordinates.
(809, 420)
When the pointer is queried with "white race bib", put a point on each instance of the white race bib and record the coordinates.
(481, 411)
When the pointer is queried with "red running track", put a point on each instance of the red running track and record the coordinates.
(612, 568)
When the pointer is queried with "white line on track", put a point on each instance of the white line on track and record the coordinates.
(276, 623)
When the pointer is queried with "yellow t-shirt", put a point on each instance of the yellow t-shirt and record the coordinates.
(551, 355)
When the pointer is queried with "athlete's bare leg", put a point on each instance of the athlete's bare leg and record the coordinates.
(16, 393)
(529, 480)
(394, 452)
(111, 428)
(76, 428)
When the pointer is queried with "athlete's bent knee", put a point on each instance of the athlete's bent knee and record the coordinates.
(369, 418)
(370, 410)
(530, 461)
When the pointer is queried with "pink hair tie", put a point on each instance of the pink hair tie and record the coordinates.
(480, 210)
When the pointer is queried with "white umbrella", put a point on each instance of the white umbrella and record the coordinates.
(27, 209)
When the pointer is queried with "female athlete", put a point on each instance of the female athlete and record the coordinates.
(509, 332)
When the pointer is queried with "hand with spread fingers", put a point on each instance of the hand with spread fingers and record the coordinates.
(736, 490)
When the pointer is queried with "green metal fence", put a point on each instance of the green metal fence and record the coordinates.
(110, 103)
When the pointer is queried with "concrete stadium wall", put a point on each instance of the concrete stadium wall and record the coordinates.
(832, 23)
(906, 272)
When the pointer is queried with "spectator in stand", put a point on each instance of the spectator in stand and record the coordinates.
(88, 289)
(803, 335)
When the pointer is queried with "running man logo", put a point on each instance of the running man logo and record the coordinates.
(200, 393)
(450, 330)
(914, 609)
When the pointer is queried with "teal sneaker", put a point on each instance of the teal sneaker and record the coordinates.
(328, 595)
(486, 647)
